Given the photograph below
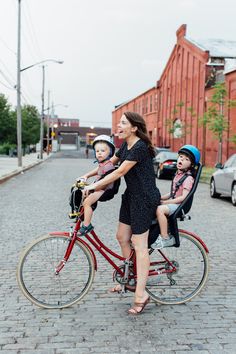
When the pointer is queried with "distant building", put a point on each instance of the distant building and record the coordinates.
(182, 94)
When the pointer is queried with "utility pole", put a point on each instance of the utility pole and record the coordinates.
(18, 89)
(48, 123)
(42, 116)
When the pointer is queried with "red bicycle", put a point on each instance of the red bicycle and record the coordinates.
(57, 270)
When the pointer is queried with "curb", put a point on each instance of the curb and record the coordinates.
(17, 172)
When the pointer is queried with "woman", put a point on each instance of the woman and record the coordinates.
(140, 200)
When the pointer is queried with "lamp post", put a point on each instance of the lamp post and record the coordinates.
(18, 88)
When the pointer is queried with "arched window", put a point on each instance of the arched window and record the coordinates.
(177, 128)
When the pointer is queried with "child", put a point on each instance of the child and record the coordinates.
(104, 149)
(189, 156)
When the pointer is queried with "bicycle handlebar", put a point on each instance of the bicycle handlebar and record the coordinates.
(81, 184)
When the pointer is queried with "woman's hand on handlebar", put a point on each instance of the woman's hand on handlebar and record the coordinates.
(89, 189)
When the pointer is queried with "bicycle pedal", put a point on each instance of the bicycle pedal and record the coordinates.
(123, 290)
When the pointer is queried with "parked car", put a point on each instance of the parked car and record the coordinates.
(165, 164)
(223, 181)
(159, 149)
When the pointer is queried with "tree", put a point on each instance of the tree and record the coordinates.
(7, 122)
(30, 125)
(175, 126)
(214, 118)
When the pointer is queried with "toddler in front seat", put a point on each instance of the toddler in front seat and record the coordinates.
(104, 149)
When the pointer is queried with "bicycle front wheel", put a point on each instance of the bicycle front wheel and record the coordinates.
(36, 272)
(192, 267)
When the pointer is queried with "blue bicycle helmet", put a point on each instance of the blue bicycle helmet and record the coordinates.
(192, 152)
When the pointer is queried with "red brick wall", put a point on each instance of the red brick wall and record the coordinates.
(146, 106)
(181, 93)
(231, 87)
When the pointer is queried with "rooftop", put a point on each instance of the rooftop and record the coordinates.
(217, 47)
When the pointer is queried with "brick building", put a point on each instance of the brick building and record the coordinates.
(171, 109)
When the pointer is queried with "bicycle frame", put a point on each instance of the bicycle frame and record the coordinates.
(96, 242)
(106, 253)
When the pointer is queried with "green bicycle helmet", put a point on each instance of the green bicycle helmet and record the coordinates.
(191, 151)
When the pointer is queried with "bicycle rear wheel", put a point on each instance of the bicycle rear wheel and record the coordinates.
(192, 267)
(36, 272)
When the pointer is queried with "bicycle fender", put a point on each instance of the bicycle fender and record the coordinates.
(196, 237)
(62, 233)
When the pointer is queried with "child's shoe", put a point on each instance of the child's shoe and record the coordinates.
(162, 242)
(85, 229)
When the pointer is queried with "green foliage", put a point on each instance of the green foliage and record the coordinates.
(233, 139)
(30, 125)
(214, 117)
(6, 147)
(180, 104)
(173, 125)
(7, 123)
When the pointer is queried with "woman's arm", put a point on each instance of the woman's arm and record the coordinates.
(113, 176)
(114, 160)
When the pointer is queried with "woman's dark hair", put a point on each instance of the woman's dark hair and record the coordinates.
(137, 121)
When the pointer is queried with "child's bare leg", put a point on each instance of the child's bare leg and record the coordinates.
(162, 213)
(88, 202)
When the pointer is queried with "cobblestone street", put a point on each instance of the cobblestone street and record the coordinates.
(36, 202)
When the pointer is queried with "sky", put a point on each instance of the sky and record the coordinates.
(113, 50)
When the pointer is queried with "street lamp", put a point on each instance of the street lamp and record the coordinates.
(19, 118)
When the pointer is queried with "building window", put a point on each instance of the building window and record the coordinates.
(150, 103)
(143, 106)
(146, 106)
(155, 102)
(177, 129)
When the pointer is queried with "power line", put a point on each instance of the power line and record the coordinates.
(6, 68)
(10, 88)
(7, 79)
(32, 28)
(12, 51)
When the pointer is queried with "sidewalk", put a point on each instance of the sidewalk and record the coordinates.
(9, 165)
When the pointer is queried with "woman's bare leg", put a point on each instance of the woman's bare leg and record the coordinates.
(140, 243)
(123, 236)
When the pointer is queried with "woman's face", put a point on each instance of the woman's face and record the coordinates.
(125, 128)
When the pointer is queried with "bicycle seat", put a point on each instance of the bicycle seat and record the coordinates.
(181, 212)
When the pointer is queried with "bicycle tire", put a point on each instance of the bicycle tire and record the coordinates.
(36, 272)
(191, 260)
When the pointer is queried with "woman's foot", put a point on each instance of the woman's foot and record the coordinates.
(118, 288)
(138, 307)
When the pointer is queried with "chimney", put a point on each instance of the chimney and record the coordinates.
(181, 31)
